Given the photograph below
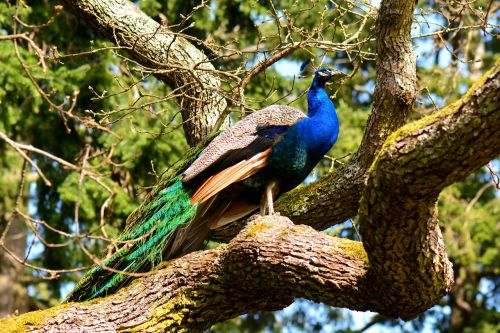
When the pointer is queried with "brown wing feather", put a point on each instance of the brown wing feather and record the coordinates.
(228, 176)
(236, 210)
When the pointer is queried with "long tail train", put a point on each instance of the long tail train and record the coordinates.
(142, 244)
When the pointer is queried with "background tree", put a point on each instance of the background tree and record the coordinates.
(103, 126)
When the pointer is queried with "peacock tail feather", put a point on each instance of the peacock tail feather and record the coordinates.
(142, 245)
(147, 238)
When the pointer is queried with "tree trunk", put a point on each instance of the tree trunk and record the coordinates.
(461, 303)
(15, 297)
(13, 233)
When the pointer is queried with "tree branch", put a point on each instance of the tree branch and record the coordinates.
(398, 212)
(171, 58)
(396, 83)
(182, 296)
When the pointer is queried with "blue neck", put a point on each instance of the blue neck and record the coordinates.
(318, 101)
(322, 123)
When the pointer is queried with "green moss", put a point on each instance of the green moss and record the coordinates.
(351, 248)
(31, 319)
(164, 264)
(255, 228)
(292, 202)
(168, 315)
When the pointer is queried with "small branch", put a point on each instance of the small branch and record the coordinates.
(79, 191)
(494, 176)
(20, 148)
(260, 67)
(477, 196)
(17, 147)
(264, 64)
(377, 319)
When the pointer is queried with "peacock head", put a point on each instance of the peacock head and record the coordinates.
(323, 75)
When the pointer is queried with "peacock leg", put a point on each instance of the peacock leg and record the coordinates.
(266, 202)
(269, 196)
(263, 204)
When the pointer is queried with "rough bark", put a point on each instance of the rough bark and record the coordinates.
(396, 84)
(205, 287)
(404, 270)
(171, 58)
(402, 192)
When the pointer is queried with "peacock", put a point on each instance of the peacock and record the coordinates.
(244, 168)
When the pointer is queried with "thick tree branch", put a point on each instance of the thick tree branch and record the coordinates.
(396, 84)
(294, 261)
(171, 58)
(398, 212)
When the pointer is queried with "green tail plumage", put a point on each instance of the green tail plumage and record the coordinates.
(150, 235)
(143, 243)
